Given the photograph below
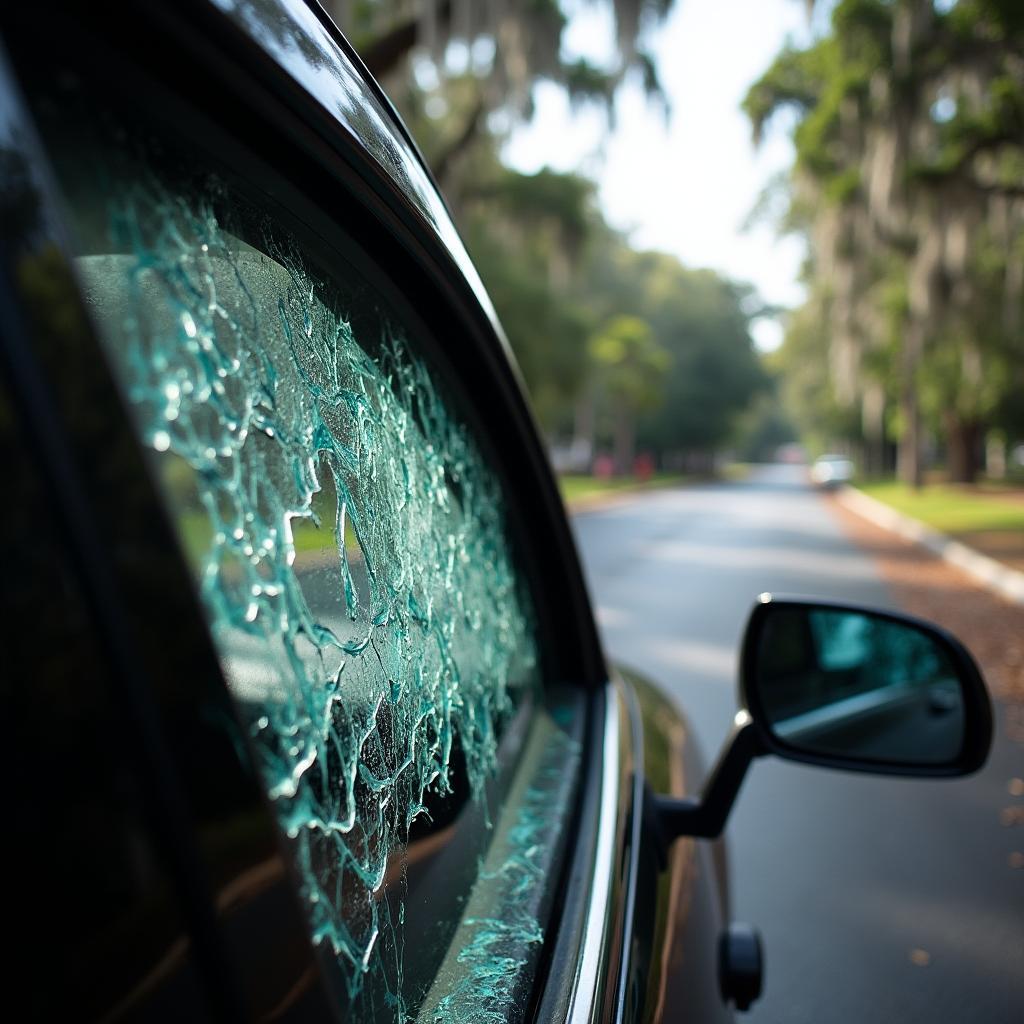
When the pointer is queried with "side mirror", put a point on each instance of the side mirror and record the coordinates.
(844, 687)
(865, 690)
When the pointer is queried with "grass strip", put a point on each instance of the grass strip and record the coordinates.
(574, 487)
(953, 510)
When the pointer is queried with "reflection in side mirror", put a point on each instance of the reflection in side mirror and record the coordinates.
(864, 689)
(836, 682)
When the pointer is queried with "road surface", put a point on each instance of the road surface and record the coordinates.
(878, 899)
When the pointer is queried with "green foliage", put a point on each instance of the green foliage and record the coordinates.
(715, 373)
(592, 323)
(581, 487)
(586, 82)
(951, 509)
(909, 134)
(590, 318)
(525, 38)
(548, 331)
(793, 81)
(807, 389)
(763, 428)
(547, 200)
(629, 363)
(698, 318)
(844, 186)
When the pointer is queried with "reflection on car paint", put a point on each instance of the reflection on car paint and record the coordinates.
(277, 426)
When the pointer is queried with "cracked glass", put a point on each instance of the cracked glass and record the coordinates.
(348, 538)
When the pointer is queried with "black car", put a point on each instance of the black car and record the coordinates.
(307, 712)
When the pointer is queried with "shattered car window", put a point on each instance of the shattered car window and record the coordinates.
(349, 545)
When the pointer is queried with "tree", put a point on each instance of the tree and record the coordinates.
(559, 276)
(908, 183)
(699, 319)
(807, 385)
(529, 235)
(763, 429)
(629, 368)
(522, 39)
(507, 48)
(715, 374)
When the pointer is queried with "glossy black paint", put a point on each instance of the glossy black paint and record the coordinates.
(705, 816)
(740, 965)
(682, 895)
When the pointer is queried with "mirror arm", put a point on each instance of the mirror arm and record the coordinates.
(705, 817)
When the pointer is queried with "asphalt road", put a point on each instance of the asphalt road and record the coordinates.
(878, 899)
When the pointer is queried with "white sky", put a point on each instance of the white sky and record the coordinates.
(687, 187)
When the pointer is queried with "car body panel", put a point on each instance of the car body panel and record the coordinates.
(675, 948)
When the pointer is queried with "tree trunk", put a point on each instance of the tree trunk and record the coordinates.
(995, 455)
(908, 457)
(962, 441)
(462, 142)
(584, 427)
(624, 442)
(873, 428)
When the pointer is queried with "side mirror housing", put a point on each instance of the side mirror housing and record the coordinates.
(843, 687)
(864, 690)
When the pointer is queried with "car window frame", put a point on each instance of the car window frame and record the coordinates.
(345, 167)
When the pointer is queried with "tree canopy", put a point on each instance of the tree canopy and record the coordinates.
(510, 44)
(616, 347)
(909, 185)
(492, 55)
(582, 309)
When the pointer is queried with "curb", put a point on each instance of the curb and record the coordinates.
(999, 578)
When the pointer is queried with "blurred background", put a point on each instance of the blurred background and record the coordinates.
(713, 228)
(762, 266)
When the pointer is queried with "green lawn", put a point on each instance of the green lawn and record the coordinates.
(954, 510)
(197, 536)
(575, 487)
(988, 518)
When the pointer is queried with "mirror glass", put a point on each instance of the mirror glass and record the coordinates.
(852, 684)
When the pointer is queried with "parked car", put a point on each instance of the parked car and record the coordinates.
(307, 713)
(829, 471)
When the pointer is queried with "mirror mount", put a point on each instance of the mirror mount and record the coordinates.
(705, 817)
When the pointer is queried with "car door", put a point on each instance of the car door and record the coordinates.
(359, 751)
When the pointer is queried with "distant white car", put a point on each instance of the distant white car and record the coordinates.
(832, 471)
